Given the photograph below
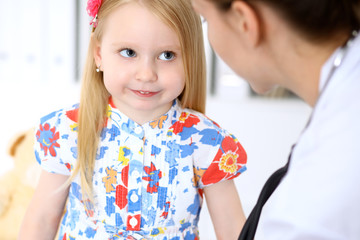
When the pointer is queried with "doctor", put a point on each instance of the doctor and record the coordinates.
(313, 49)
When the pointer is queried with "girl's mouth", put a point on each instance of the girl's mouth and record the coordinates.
(142, 93)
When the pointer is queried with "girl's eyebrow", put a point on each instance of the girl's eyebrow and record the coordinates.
(128, 44)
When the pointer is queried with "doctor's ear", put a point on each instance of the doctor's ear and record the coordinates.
(246, 21)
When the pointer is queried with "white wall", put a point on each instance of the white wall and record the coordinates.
(37, 63)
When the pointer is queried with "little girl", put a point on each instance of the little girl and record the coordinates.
(136, 157)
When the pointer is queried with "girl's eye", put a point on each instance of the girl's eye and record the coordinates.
(128, 53)
(167, 55)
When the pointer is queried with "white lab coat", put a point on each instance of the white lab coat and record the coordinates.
(319, 198)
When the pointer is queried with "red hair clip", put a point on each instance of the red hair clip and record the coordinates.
(92, 9)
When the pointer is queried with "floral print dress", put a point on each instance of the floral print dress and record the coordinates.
(148, 179)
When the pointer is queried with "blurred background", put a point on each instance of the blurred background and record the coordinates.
(43, 44)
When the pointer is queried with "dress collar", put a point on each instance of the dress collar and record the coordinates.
(162, 122)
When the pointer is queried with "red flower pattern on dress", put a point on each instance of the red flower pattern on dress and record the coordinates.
(186, 120)
(92, 9)
(230, 158)
(73, 114)
(153, 176)
(48, 139)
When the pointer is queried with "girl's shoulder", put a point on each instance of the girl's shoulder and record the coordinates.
(67, 115)
(56, 140)
(199, 119)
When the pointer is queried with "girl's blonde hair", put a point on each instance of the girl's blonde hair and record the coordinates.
(179, 16)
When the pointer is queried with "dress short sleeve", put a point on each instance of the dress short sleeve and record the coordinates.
(51, 139)
(222, 156)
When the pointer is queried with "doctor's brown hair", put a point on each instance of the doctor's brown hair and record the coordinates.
(316, 19)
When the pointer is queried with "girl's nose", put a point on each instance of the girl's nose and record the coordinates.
(146, 71)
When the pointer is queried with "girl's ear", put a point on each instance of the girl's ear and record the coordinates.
(97, 52)
(246, 21)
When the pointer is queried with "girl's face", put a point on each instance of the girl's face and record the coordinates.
(140, 57)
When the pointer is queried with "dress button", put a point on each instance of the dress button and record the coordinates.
(138, 130)
(134, 198)
(133, 222)
(135, 174)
